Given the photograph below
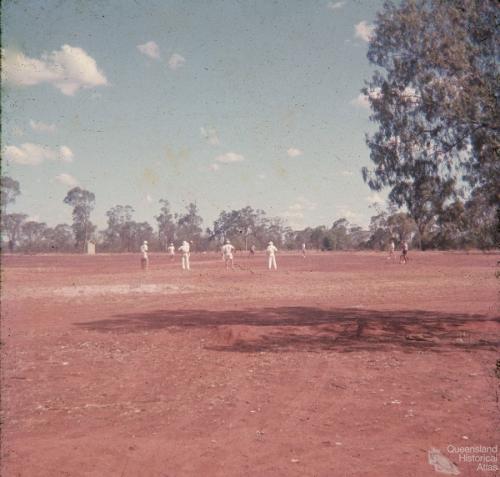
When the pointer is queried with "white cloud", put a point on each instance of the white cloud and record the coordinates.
(34, 154)
(65, 154)
(230, 157)
(66, 179)
(294, 218)
(306, 203)
(68, 69)
(345, 212)
(296, 208)
(346, 173)
(210, 135)
(297, 211)
(42, 127)
(335, 6)
(176, 61)
(294, 152)
(150, 49)
(363, 30)
(293, 214)
(214, 167)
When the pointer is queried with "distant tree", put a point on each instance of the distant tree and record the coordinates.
(390, 225)
(380, 233)
(339, 235)
(304, 236)
(189, 225)
(401, 227)
(9, 189)
(134, 233)
(117, 235)
(59, 239)
(290, 239)
(12, 225)
(436, 104)
(277, 230)
(327, 243)
(358, 236)
(482, 222)
(33, 236)
(166, 225)
(241, 226)
(83, 203)
(450, 228)
(317, 235)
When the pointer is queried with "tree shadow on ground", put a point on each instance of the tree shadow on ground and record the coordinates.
(315, 329)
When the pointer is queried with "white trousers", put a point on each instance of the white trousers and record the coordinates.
(271, 262)
(185, 261)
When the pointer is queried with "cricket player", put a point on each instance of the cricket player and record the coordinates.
(144, 257)
(271, 259)
(227, 254)
(303, 249)
(404, 253)
(251, 253)
(184, 248)
(171, 251)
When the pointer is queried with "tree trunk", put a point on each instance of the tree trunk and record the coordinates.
(421, 230)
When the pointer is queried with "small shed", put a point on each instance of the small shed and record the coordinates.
(90, 247)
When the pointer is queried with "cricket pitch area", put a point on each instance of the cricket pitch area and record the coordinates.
(340, 364)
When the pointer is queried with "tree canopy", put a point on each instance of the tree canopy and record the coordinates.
(83, 203)
(10, 189)
(435, 100)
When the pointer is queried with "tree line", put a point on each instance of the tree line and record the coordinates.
(466, 227)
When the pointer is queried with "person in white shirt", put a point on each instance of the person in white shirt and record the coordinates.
(171, 251)
(227, 254)
(303, 250)
(144, 257)
(271, 259)
(184, 248)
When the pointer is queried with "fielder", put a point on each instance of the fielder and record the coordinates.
(404, 253)
(271, 259)
(144, 257)
(171, 251)
(303, 250)
(251, 253)
(184, 248)
(227, 254)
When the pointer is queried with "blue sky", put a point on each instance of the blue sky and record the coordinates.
(225, 103)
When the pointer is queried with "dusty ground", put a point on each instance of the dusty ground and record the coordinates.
(342, 364)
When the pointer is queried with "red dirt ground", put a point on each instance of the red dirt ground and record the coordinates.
(342, 364)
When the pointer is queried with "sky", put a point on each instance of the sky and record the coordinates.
(224, 103)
